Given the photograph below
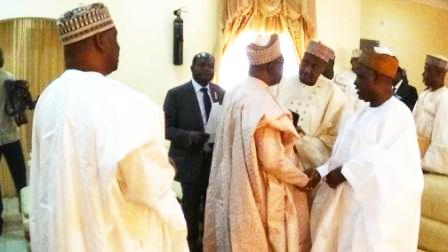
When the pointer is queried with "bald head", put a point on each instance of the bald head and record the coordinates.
(202, 56)
(203, 68)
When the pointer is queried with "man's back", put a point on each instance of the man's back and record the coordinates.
(85, 124)
(245, 176)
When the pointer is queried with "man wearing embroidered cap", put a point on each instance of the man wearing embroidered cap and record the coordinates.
(100, 175)
(318, 102)
(370, 197)
(254, 200)
(431, 116)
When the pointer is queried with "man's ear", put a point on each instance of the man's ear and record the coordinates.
(100, 42)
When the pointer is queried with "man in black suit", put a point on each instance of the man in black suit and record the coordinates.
(403, 91)
(187, 108)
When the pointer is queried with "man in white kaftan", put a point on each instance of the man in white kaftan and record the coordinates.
(371, 198)
(319, 103)
(100, 176)
(254, 200)
(431, 117)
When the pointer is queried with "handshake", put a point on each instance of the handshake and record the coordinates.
(333, 179)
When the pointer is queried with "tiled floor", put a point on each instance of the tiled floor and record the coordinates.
(13, 237)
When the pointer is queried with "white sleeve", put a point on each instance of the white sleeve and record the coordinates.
(323, 170)
(145, 177)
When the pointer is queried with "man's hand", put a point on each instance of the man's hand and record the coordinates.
(198, 138)
(314, 177)
(335, 178)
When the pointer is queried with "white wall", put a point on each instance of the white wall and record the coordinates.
(411, 29)
(145, 36)
(338, 26)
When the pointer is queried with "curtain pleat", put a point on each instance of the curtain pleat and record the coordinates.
(32, 52)
(297, 17)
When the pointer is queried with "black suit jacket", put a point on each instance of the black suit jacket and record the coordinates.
(182, 116)
(407, 94)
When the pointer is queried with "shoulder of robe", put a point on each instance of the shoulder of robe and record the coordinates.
(264, 102)
(132, 101)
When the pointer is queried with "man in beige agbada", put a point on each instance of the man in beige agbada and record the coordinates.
(319, 103)
(254, 200)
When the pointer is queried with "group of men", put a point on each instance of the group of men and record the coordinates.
(356, 133)
(305, 170)
(264, 166)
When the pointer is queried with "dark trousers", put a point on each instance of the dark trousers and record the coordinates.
(193, 204)
(14, 158)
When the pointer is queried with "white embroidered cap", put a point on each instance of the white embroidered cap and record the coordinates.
(438, 61)
(320, 50)
(264, 50)
(83, 22)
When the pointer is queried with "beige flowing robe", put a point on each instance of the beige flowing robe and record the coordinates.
(100, 176)
(253, 199)
(431, 119)
(321, 108)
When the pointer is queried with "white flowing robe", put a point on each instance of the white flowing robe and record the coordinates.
(100, 176)
(321, 108)
(431, 118)
(378, 207)
(253, 199)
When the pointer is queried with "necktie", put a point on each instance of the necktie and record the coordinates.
(207, 102)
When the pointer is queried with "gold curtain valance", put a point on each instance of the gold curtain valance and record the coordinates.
(297, 17)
